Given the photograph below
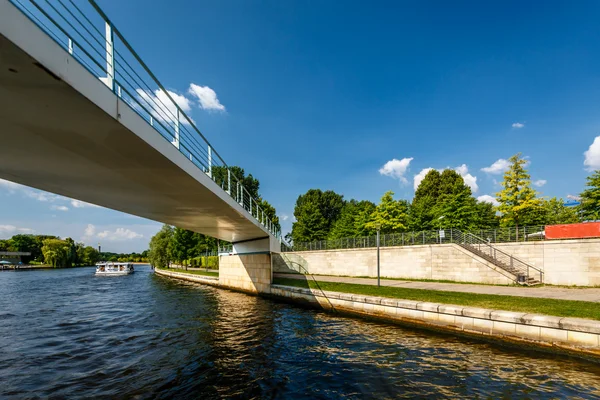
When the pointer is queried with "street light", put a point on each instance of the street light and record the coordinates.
(378, 226)
(440, 231)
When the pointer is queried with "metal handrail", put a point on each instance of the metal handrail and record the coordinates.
(501, 257)
(102, 57)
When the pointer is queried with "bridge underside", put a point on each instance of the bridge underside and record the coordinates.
(62, 130)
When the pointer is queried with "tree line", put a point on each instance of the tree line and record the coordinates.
(442, 200)
(51, 250)
(63, 253)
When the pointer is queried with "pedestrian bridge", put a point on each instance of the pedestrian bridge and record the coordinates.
(82, 116)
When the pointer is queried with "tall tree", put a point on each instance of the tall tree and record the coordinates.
(56, 252)
(589, 209)
(519, 204)
(390, 215)
(270, 213)
(316, 212)
(455, 207)
(182, 244)
(159, 251)
(237, 174)
(423, 205)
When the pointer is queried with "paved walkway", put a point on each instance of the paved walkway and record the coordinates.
(561, 293)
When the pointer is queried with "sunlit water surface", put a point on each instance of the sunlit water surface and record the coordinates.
(69, 334)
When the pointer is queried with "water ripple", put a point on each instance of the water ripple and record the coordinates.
(68, 334)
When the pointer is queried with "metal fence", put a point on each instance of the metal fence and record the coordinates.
(500, 235)
(89, 36)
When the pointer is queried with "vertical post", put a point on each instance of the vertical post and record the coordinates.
(378, 283)
(250, 205)
(209, 162)
(70, 46)
(228, 181)
(110, 57)
(151, 121)
(176, 140)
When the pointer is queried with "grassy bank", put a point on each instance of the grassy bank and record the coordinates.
(560, 308)
(192, 272)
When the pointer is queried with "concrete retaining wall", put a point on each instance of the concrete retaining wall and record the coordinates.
(564, 262)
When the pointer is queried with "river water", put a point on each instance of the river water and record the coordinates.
(69, 334)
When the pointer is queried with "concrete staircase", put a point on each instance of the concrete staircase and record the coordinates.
(524, 273)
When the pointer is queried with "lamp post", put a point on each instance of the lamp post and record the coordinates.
(378, 226)
(440, 231)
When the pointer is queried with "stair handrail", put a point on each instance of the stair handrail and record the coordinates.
(471, 239)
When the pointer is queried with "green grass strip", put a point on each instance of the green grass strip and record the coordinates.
(559, 308)
(192, 272)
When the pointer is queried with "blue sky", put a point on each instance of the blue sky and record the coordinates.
(323, 94)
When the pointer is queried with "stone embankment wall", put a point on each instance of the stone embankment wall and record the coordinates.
(564, 262)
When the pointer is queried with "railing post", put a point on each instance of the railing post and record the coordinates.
(70, 46)
(228, 181)
(209, 161)
(250, 204)
(242, 197)
(110, 57)
(176, 140)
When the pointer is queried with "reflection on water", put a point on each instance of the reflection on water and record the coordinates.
(69, 334)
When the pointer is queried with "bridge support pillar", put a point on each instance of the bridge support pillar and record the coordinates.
(251, 272)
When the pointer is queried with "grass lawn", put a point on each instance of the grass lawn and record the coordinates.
(195, 272)
(560, 308)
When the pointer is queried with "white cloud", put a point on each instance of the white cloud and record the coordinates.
(592, 155)
(207, 98)
(59, 208)
(284, 217)
(573, 197)
(82, 204)
(163, 109)
(469, 179)
(518, 125)
(90, 230)
(540, 182)
(498, 167)
(9, 186)
(420, 176)
(486, 198)
(119, 234)
(396, 168)
(9, 230)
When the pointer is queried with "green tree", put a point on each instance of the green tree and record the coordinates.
(26, 243)
(454, 203)
(316, 212)
(6, 245)
(311, 226)
(589, 208)
(557, 213)
(485, 216)
(87, 255)
(250, 183)
(352, 220)
(422, 210)
(159, 251)
(183, 244)
(519, 204)
(56, 252)
(364, 215)
(391, 215)
(270, 213)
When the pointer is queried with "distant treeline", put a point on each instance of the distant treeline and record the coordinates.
(63, 253)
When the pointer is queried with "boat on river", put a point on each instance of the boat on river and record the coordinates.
(114, 268)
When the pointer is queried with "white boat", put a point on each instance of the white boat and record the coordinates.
(114, 268)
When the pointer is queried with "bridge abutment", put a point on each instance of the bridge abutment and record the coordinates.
(250, 272)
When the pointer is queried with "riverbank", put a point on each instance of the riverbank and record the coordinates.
(570, 335)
